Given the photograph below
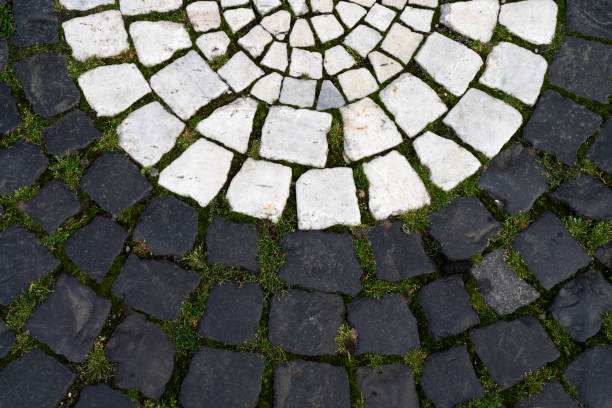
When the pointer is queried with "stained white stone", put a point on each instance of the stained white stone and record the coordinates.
(199, 173)
(187, 84)
(231, 124)
(148, 133)
(278, 23)
(448, 163)
(397, 4)
(394, 186)
(417, 18)
(367, 130)
(450, 63)
(265, 6)
(401, 42)
(135, 7)
(532, 20)
(306, 63)
(322, 6)
(350, 13)
(96, 35)
(111, 89)
(516, 71)
(357, 83)
(268, 88)
(327, 27)
(255, 41)
(213, 44)
(326, 198)
(299, 7)
(204, 15)
(301, 34)
(295, 135)
(83, 5)
(240, 72)
(260, 189)
(424, 3)
(276, 57)
(238, 18)
(362, 39)
(475, 19)
(364, 3)
(298, 92)
(337, 59)
(384, 66)
(157, 41)
(413, 103)
(483, 122)
(233, 3)
(380, 17)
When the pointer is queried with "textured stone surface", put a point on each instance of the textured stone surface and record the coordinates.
(135, 7)
(238, 18)
(7, 339)
(586, 196)
(329, 97)
(306, 63)
(301, 34)
(35, 23)
(103, 396)
(533, 20)
(3, 55)
(276, 57)
(401, 42)
(255, 41)
(357, 83)
(52, 205)
(99, 35)
(474, 19)
(362, 39)
(384, 67)
(350, 13)
(600, 151)
(71, 133)
(388, 386)
(9, 115)
(380, 17)
(156, 41)
(591, 17)
(83, 5)
(588, 374)
(277, 24)
(298, 92)
(213, 44)
(240, 72)
(232, 244)
(604, 255)
(204, 15)
(20, 166)
(552, 396)
(327, 27)
(268, 88)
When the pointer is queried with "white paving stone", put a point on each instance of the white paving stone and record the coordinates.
(475, 19)
(240, 72)
(450, 63)
(417, 18)
(329, 96)
(516, 71)
(298, 92)
(306, 63)
(265, 6)
(295, 135)
(380, 17)
(397, 4)
(327, 27)
(135, 7)
(322, 6)
(401, 42)
(483, 122)
(299, 7)
(532, 20)
(362, 39)
(204, 15)
(187, 84)
(157, 41)
(111, 89)
(326, 198)
(255, 41)
(213, 44)
(301, 34)
(357, 83)
(394, 186)
(199, 173)
(367, 130)
(364, 3)
(97, 35)
(337, 59)
(276, 57)
(231, 124)
(233, 3)
(277, 24)
(384, 66)
(448, 163)
(350, 13)
(424, 3)
(413, 103)
(238, 18)
(268, 88)
(83, 5)
(148, 133)
(260, 189)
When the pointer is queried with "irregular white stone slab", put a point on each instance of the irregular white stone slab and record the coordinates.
(450, 63)
(394, 186)
(327, 27)
(367, 130)
(329, 97)
(83, 5)
(278, 23)
(97, 35)
(135, 7)
(350, 13)
(532, 20)
(425, 3)
(306, 62)
(260, 189)
(397, 4)
(413, 103)
(384, 66)
(362, 39)
(268, 88)
(299, 7)
(301, 34)
(326, 198)
(417, 18)
(265, 6)
(295, 135)
(357, 83)
(213, 44)
(401, 42)
(337, 59)
(238, 18)
(483, 122)
(157, 41)
(276, 57)
(240, 72)
(148, 133)
(204, 15)
(475, 19)
(111, 89)
(233, 3)
(199, 173)
(448, 163)
(364, 3)
(380, 17)
(515, 71)
(255, 41)
(298, 92)
(187, 84)
(322, 6)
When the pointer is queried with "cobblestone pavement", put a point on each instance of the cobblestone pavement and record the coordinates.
(236, 203)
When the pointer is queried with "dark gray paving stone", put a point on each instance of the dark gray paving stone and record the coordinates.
(509, 350)
(589, 373)
(591, 17)
(115, 183)
(143, 354)
(20, 166)
(222, 379)
(306, 322)
(7, 339)
(232, 313)
(34, 381)
(580, 303)
(156, 287)
(46, 83)
(397, 333)
(323, 261)
(583, 67)
(463, 228)
(168, 226)
(604, 255)
(456, 268)
(552, 396)
(398, 255)
(71, 133)
(94, 247)
(304, 384)
(103, 396)
(9, 115)
(600, 152)
(70, 319)
(24, 260)
(232, 244)
(389, 386)
(449, 378)
(587, 197)
(53, 205)
(514, 179)
(35, 23)
(549, 250)
(499, 285)
(329, 97)
(447, 307)
(3, 55)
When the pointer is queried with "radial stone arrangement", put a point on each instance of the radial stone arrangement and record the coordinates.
(305, 203)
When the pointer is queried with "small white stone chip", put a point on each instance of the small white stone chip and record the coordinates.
(83, 5)
(268, 88)
(301, 34)
(213, 44)
(240, 72)
(532, 20)
(276, 57)
(362, 39)
(204, 15)
(99, 35)
(238, 18)
(157, 41)
(306, 63)
(384, 66)
(255, 41)
(357, 83)
(135, 7)
(298, 92)
(475, 19)
(350, 13)
(327, 27)
(337, 59)
(380, 17)
(417, 18)
(401, 42)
